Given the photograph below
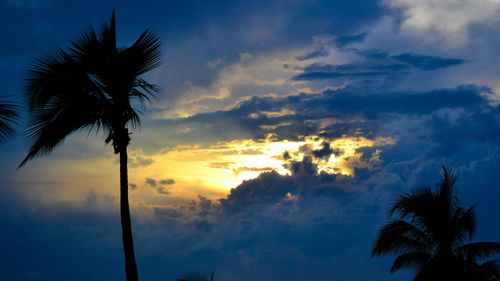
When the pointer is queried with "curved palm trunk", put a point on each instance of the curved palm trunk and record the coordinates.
(128, 243)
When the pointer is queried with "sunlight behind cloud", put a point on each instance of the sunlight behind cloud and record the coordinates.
(220, 167)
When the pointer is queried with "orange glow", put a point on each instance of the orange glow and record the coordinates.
(207, 170)
(227, 164)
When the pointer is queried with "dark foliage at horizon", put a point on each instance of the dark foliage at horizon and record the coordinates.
(428, 233)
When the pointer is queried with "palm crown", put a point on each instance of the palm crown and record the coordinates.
(428, 233)
(89, 86)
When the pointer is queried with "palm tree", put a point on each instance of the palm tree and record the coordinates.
(92, 86)
(8, 115)
(428, 232)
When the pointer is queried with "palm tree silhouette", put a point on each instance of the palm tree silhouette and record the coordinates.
(8, 115)
(428, 234)
(92, 86)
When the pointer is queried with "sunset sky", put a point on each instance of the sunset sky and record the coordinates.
(282, 133)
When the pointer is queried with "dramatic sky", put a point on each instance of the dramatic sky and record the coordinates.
(283, 131)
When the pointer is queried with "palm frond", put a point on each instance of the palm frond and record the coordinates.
(107, 36)
(46, 76)
(61, 117)
(8, 117)
(490, 270)
(413, 203)
(464, 223)
(392, 234)
(422, 208)
(396, 243)
(448, 180)
(479, 250)
(416, 260)
(144, 55)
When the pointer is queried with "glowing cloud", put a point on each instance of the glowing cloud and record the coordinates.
(217, 168)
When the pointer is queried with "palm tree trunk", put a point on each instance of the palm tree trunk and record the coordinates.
(128, 243)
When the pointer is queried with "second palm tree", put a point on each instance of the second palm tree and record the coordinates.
(428, 233)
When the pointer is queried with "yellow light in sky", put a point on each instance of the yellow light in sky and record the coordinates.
(210, 170)
(223, 166)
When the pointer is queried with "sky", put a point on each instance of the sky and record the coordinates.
(282, 133)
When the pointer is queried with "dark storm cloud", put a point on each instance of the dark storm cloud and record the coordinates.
(375, 104)
(432, 127)
(428, 62)
(376, 64)
(389, 67)
(453, 133)
(343, 41)
(322, 67)
(317, 53)
(357, 112)
(371, 54)
(331, 75)
(456, 126)
(348, 103)
(325, 152)
(167, 212)
(352, 68)
(271, 188)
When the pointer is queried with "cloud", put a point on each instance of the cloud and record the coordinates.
(205, 204)
(350, 111)
(331, 75)
(371, 53)
(322, 67)
(167, 212)
(427, 127)
(317, 53)
(271, 189)
(343, 41)
(375, 65)
(427, 62)
(151, 182)
(325, 152)
(454, 131)
(449, 19)
(271, 35)
(167, 181)
(139, 161)
(162, 190)
(159, 185)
